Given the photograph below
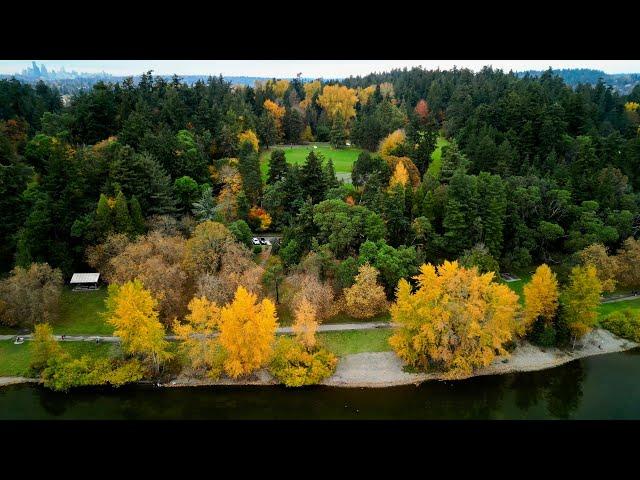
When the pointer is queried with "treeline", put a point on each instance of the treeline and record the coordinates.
(535, 170)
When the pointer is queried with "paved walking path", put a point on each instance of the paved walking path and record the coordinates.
(625, 298)
(330, 327)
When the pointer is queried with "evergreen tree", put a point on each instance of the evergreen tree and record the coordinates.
(330, 175)
(277, 166)
(312, 178)
(137, 220)
(121, 218)
(103, 223)
(249, 168)
(338, 133)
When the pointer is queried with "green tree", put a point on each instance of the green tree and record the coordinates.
(312, 178)
(278, 167)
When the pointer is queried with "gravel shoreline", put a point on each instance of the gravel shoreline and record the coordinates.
(385, 369)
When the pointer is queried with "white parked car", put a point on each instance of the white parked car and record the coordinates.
(256, 241)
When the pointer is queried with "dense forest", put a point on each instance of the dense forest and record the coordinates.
(535, 171)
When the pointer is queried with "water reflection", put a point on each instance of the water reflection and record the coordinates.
(598, 387)
(560, 392)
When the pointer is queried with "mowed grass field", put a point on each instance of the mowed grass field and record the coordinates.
(342, 158)
(297, 154)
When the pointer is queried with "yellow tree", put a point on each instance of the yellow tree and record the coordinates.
(606, 266)
(364, 94)
(338, 101)
(249, 136)
(366, 297)
(276, 111)
(457, 320)
(400, 176)
(306, 324)
(310, 89)
(247, 333)
(197, 335)
(391, 142)
(132, 310)
(540, 296)
(45, 347)
(581, 300)
(280, 87)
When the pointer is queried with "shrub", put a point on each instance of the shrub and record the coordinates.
(624, 323)
(295, 366)
(64, 372)
(45, 347)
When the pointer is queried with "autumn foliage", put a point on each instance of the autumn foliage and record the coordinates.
(133, 312)
(366, 297)
(540, 297)
(247, 333)
(249, 136)
(457, 320)
(338, 101)
(259, 218)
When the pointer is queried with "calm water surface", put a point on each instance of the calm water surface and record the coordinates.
(601, 387)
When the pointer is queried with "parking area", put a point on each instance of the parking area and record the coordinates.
(265, 240)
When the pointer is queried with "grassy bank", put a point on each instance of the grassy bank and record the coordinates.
(436, 157)
(14, 359)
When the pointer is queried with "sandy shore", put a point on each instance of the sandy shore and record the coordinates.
(385, 369)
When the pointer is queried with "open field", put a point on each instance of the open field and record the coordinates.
(297, 154)
(436, 157)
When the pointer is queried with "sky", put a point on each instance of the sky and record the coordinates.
(308, 68)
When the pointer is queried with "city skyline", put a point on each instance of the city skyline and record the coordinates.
(307, 68)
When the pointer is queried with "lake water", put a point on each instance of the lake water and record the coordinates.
(601, 387)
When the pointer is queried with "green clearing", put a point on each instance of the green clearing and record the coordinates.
(356, 341)
(14, 359)
(343, 158)
(80, 313)
(436, 157)
(607, 308)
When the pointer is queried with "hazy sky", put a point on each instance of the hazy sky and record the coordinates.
(308, 68)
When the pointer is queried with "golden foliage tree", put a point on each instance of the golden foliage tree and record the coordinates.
(540, 297)
(261, 217)
(306, 324)
(338, 101)
(310, 89)
(581, 300)
(364, 94)
(400, 176)
(276, 111)
(409, 166)
(305, 285)
(247, 333)
(133, 312)
(366, 297)
(280, 87)
(392, 141)
(606, 266)
(629, 263)
(251, 137)
(203, 251)
(197, 336)
(44, 347)
(457, 320)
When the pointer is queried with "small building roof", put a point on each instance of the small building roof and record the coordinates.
(85, 278)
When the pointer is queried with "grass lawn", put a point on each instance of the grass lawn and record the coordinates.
(518, 285)
(80, 313)
(436, 157)
(342, 158)
(356, 341)
(607, 308)
(14, 359)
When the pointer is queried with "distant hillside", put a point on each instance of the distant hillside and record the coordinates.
(622, 82)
